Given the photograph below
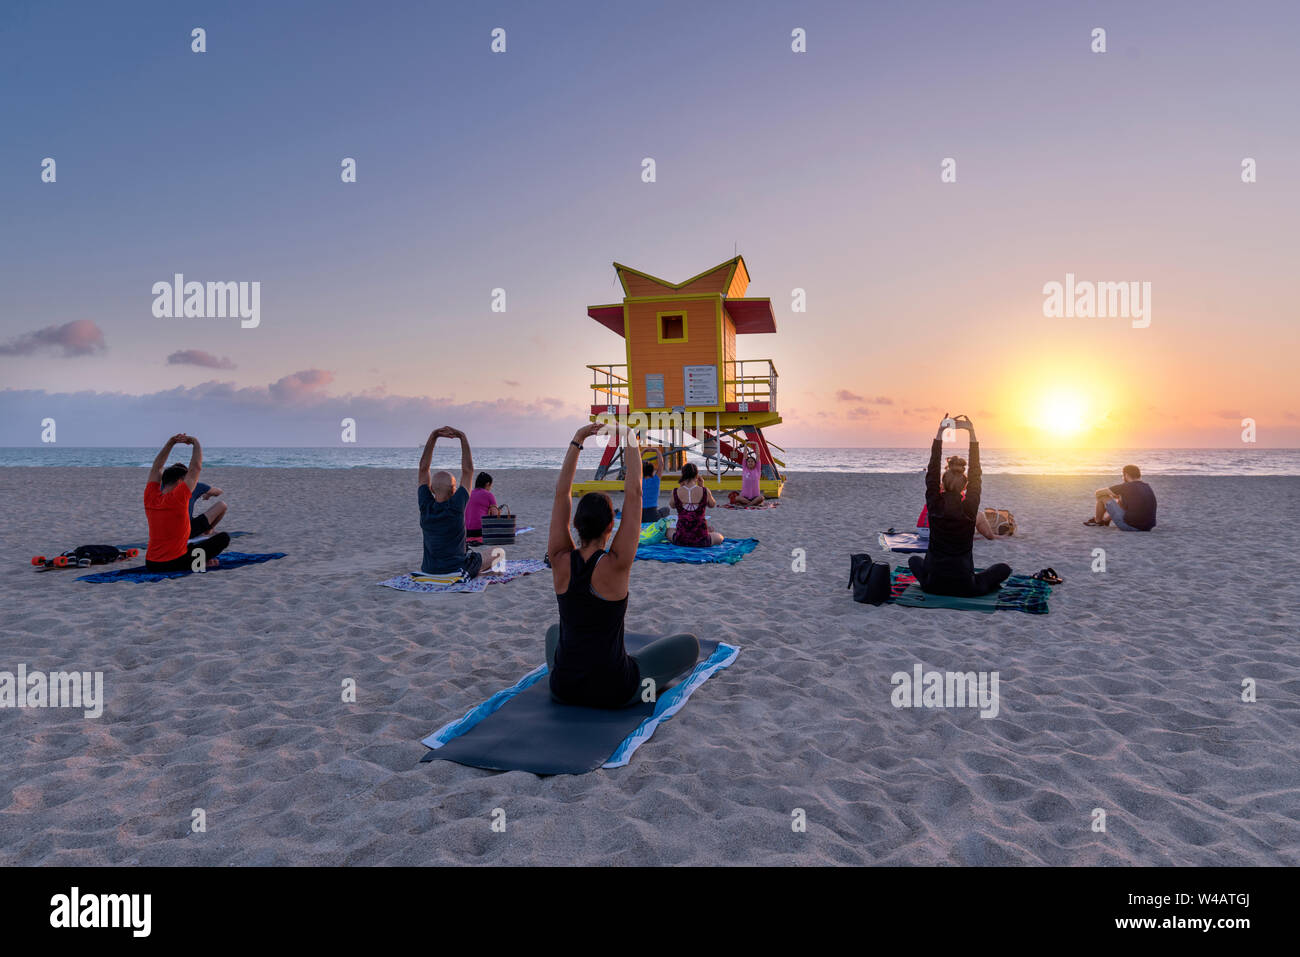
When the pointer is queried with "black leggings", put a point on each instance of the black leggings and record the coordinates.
(212, 547)
(981, 583)
(652, 514)
(661, 660)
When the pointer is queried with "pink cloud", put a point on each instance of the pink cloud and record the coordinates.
(197, 357)
(78, 338)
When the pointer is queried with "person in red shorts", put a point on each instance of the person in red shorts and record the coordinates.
(167, 508)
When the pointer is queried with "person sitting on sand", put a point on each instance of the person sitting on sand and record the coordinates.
(585, 653)
(481, 503)
(751, 493)
(1131, 505)
(167, 509)
(691, 497)
(203, 524)
(948, 567)
(958, 464)
(651, 511)
(442, 511)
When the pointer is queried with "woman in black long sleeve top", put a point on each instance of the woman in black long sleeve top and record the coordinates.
(948, 567)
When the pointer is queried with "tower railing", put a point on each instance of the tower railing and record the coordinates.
(609, 383)
(754, 381)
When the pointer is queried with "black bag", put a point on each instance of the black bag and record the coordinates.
(499, 529)
(869, 580)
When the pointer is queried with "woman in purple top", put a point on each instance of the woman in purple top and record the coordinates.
(691, 498)
(751, 493)
(481, 502)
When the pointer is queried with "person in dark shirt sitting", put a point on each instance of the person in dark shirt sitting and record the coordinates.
(442, 511)
(1131, 505)
(948, 567)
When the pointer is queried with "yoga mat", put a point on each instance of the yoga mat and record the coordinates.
(1018, 593)
(201, 538)
(513, 570)
(522, 729)
(752, 508)
(905, 541)
(729, 552)
(142, 574)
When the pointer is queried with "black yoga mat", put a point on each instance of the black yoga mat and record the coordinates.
(532, 732)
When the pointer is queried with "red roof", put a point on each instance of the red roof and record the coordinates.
(751, 315)
(611, 317)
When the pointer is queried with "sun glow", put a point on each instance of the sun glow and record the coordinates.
(1062, 413)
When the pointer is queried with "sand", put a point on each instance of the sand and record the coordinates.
(224, 691)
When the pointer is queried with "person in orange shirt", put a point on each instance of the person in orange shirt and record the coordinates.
(167, 508)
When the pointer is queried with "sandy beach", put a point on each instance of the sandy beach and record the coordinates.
(223, 690)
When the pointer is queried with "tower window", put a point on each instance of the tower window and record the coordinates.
(672, 327)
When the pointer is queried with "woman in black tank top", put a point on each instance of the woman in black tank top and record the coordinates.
(585, 653)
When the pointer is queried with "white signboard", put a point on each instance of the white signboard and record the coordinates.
(654, 392)
(701, 384)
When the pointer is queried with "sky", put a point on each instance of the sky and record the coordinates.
(522, 170)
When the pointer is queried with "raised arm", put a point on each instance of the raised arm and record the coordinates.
(160, 460)
(559, 542)
(466, 461)
(426, 459)
(659, 461)
(196, 462)
(974, 474)
(622, 551)
(932, 470)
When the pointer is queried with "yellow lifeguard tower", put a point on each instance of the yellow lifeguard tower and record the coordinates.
(681, 377)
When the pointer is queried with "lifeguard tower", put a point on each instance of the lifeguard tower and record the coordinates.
(681, 378)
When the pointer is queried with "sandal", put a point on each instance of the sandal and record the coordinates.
(1093, 521)
(1048, 575)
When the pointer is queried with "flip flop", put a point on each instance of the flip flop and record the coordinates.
(1093, 521)
(1049, 575)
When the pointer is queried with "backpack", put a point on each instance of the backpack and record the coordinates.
(869, 580)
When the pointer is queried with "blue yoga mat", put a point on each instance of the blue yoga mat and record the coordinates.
(522, 729)
(729, 552)
(142, 574)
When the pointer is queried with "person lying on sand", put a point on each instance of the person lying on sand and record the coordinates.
(751, 493)
(442, 511)
(167, 496)
(202, 524)
(691, 498)
(650, 473)
(953, 503)
(481, 503)
(1131, 505)
(585, 655)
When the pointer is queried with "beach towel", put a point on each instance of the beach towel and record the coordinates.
(1018, 593)
(905, 541)
(141, 573)
(522, 729)
(444, 584)
(192, 541)
(729, 552)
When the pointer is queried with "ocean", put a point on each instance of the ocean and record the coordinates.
(1238, 461)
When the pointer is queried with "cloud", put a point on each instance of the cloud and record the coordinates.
(78, 338)
(511, 382)
(300, 385)
(844, 395)
(861, 412)
(197, 357)
(295, 410)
